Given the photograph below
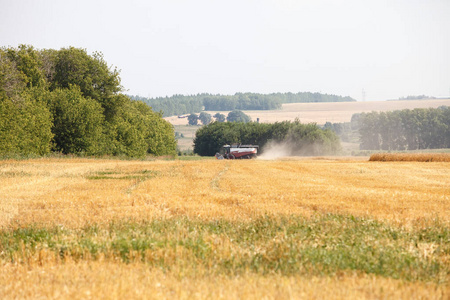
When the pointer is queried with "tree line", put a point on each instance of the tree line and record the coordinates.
(308, 97)
(420, 128)
(301, 139)
(68, 101)
(205, 118)
(179, 104)
(172, 106)
(418, 97)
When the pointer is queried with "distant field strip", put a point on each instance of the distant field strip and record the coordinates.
(421, 157)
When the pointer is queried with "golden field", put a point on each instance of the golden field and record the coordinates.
(423, 157)
(97, 280)
(77, 192)
(90, 228)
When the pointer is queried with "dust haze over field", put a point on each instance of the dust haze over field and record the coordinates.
(275, 150)
(278, 149)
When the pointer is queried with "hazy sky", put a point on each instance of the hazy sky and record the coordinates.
(389, 48)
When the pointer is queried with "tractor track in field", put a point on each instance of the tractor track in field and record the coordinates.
(215, 181)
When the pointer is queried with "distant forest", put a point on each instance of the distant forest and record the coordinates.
(420, 128)
(419, 97)
(180, 104)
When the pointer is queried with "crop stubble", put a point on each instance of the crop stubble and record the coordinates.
(74, 193)
(85, 193)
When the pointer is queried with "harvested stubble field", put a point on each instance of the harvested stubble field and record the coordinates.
(310, 228)
(422, 157)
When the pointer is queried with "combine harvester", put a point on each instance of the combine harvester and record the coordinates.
(238, 151)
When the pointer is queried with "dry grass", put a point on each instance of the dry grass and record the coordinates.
(82, 193)
(74, 193)
(188, 132)
(420, 157)
(97, 280)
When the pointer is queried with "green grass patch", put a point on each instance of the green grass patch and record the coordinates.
(15, 174)
(115, 175)
(323, 245)
(195, 157)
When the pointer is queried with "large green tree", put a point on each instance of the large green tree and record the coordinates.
(69, 101)
(73, 66)
(193, 119)
(219, 117)
(12, 80)
(238, 116)
(77, 122)
(205, 118)
(27, 61)
(25, 125)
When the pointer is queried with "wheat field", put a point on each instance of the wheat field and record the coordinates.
(308, 228)
(422, 157)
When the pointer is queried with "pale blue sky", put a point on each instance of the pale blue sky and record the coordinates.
(389, 48)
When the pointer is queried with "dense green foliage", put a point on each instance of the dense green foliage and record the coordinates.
(179, 104)
(238, 116)
(68, 101)
(219, 117)
(421, 128)
(301, 139)
(205, 118)
(175, 105)
(241, 101)
(307, 97)
(25, 126)
(193, 119)
(320, 245)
